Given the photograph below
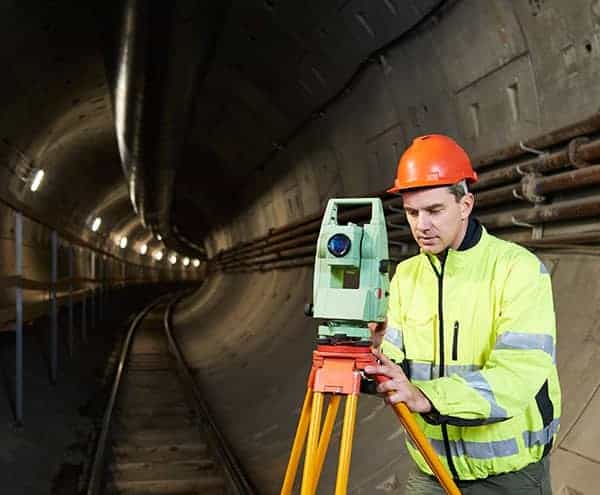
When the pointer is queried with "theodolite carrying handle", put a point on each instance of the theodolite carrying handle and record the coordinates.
(377, 214)
(421, 442)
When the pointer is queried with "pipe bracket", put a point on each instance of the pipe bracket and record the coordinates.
(519, 223)
(537, 231)
(517, 194)
(573, 152)
(531, 150)
(529, 184)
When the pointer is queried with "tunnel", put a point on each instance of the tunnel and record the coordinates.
(152, 147)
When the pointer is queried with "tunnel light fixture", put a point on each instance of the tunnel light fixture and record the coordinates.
(96, 224)
(38, 177)
(186, 261)
(158, 237)
(123, 242)
(172, 259)
(157, 254)
(196, 263)
(143, 249)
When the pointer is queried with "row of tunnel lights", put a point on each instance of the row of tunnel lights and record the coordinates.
(157, 254)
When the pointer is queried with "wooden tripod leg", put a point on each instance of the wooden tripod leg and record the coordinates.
(332, 410)
(341, 485)
(308, 475)
(298, 445)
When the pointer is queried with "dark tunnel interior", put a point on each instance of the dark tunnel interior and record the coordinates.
(155, 146)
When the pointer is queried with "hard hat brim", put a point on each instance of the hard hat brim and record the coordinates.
(427, 184)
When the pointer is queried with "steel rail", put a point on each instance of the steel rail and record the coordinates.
(97, 471)
(238, 480)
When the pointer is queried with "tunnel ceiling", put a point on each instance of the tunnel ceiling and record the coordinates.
(259, 79)
(271, 68)
(275, 64)
(192, 125)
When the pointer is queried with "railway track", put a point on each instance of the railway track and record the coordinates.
(158, 436)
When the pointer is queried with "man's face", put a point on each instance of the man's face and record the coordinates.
(437, 220)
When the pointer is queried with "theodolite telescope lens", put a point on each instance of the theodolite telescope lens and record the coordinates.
(339, 245)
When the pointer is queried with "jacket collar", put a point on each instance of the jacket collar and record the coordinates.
(454, 258)
(472, 236)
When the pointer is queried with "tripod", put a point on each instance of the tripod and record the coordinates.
(336, 371)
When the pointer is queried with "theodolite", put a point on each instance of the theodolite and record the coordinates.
(351, 280)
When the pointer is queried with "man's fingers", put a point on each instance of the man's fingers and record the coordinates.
(387, 386)
(376, 326)
(385, 360)
(377, 370)
(395, 398)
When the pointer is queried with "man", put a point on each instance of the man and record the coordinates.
(469, 343)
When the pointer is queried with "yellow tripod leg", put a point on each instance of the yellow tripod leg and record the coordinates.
(332, 410)
(341, 485)
(421, 442)
(308, 474)
(298, 445)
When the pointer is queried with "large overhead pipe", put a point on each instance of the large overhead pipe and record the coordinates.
(578, 153)
(522, 181)
(308, 228)
(566, 210)
(156, 61)
(532, 187)
(589, 125)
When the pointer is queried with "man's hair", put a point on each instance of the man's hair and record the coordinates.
(459, 190)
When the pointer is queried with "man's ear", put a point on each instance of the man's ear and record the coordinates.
(467, 203)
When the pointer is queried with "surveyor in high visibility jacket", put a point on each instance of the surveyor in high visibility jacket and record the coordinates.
(470, 339)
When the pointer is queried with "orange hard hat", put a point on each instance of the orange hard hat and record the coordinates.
(433, 160)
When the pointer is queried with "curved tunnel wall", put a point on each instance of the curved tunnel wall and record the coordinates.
(488, 73)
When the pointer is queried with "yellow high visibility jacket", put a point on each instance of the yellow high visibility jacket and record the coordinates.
(476, 334)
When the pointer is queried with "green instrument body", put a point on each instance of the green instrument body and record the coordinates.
(351, 279)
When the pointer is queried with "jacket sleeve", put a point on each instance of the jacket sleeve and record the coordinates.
(393, 341)
(521, 359)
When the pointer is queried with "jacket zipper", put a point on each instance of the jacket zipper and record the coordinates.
(455, 342)
(440, 277)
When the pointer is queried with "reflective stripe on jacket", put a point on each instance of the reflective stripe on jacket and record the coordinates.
(477, 335)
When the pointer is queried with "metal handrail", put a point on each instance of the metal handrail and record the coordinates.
(70, 237)
(14, 281)
(236, 476)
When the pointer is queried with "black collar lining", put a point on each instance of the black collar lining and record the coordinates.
(472, 235)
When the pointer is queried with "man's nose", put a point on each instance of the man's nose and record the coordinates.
(423, 221)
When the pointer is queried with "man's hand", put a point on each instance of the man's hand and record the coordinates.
(399, 386)
(377, 332)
